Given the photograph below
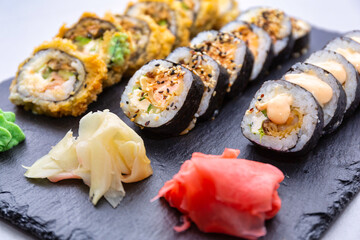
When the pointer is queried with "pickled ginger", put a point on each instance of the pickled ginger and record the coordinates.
(106, 153)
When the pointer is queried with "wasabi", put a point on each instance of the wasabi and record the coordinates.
(10, 133)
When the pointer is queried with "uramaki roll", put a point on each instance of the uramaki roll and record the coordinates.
(151, 41)
(57, 80)
(104, 37)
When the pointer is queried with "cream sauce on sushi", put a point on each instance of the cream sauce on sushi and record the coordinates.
(278, 108)
(320, 89)
(335, 69)
(352, 56)
(356, 39)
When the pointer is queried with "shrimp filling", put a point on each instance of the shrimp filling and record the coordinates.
(154, 92)
(276, 118)
(51, 75)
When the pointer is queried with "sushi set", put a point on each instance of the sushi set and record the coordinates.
(169, 81)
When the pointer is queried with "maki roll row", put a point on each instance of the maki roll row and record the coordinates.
(310, 100)
(148, 30)
(225, 61)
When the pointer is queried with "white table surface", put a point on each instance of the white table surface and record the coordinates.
(25, 24)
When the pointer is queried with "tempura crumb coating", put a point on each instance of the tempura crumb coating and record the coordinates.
(183, 21)
(115, 73)
(159, 45)
(228, 16)
(77, 104)
(206, 17)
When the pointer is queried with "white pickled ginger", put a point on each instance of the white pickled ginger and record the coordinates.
(106, 153)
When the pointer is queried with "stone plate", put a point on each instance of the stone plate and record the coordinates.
(316, 189)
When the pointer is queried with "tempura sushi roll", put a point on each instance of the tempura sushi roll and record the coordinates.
(231, 53)
(301, 34)
(103, 37)
(259, 43)
(166, 13)
(326, 90)
(347, 47)
(214, 77)
(283, 117)
(150, 40)
(277, 24)
(343, 71)
(57, 80)
(162, 97)
(201, 13)
(228, 11)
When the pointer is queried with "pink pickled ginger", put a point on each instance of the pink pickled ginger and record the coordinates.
(222, 194)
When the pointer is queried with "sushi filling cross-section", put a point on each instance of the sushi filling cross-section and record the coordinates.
(162, 97)
(51, 75)
(231, 53)
(277, 24)
(283, 117)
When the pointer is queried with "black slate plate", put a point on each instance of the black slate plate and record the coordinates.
(316, 188)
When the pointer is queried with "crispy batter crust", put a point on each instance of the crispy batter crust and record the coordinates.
(206, 17)
(76, 105)
(115, 73)
(159, 45)
(182, 19)
(229, 16)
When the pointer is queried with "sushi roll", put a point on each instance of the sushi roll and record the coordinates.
(348, 48)
(94, 35)
(150, 40)
(277, 24)
(166, 13)
(201, 13)
(283, 117)
(162, 98)
(343, 71)
(57, 80)
(214, 77)
(231, 53)
(259, 43)
(228, 11)
(326, 90)
(354, 35)
(301, 34)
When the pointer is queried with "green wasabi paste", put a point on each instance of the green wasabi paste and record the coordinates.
(10, 133)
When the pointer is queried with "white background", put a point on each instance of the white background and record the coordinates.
(25, 24)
